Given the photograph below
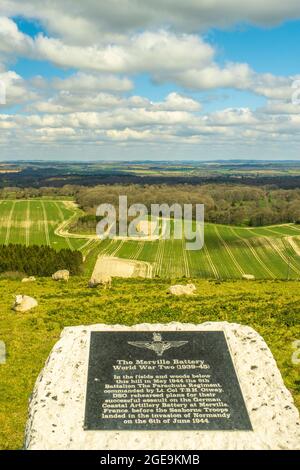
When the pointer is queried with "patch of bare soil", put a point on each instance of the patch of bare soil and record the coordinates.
(118, 267)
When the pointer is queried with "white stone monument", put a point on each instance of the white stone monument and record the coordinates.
(61, 413)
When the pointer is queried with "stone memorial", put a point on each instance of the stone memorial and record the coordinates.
(164, 386)
(175, 380)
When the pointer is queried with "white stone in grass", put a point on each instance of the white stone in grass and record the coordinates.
(100, 279)
(178, 289)
(248, 277)
(28, 279)
(23, 303)
(61, 275)
(57, 405)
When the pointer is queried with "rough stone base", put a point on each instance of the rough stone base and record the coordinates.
(57, 405)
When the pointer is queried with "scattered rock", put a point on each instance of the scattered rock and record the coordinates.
(178, 289)
(62, 275)
(249, 277)
(28, 279)
(100, 280)
(23, 303)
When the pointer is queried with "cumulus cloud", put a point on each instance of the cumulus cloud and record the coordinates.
(106, 45)
(177, 101)
(145, 52)
(96, 19)
(281, 107)
(83, 82)
(124, 124)
(11, 39)
(16, 89)
(183, 59)
(67, 102)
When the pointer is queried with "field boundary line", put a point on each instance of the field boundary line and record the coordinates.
(117, 249)
(135, 254)
(107, 248)
(62, 219)
(295, 228)
(291, 242)
(185, 259)
(102, 251)
(87, 247)
(281, 235)
(9, 223)
(272, 242)
(159, 256)
(86, 243)
(46, 224)
(211, 263)
(236, 263)
(28, 222)
(255, 254)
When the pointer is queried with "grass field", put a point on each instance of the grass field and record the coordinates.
(270, 307)
(229, 252)
(33, 222)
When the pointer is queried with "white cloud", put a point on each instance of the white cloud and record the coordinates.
(83, 82)
(281, 107)
(175, 101)
(225, 127)
(232, 117)
(145, 52)
(66, 102)
(82, 23)
(13, 40)
(106, 44)
(16, 89)
(183, 59)
(213, 76)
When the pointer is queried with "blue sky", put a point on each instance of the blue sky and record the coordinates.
(169, 85)
(266, 50)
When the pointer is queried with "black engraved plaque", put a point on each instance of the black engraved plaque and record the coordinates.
(163, 380)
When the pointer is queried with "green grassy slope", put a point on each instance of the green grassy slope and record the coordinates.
(271, 307)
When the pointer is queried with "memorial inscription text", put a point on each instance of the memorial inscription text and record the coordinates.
(171, 380)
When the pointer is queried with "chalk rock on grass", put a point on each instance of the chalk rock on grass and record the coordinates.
(178, 289)
(57, 405)
(62, 275)
(100, 280)
(23, 303)
(28, 279)
(248, 277)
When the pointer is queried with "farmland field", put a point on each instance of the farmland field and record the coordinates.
(229, 252)
(33, 222)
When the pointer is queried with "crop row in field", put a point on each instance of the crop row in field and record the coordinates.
(34, 222)
(228, 253)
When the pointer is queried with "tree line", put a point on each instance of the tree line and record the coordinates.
(233, 204)
(38, 260)
(224, 204)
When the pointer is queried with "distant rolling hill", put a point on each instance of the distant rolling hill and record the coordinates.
(229, 252)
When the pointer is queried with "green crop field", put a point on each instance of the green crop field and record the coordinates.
(33, 222)
(228, 253)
